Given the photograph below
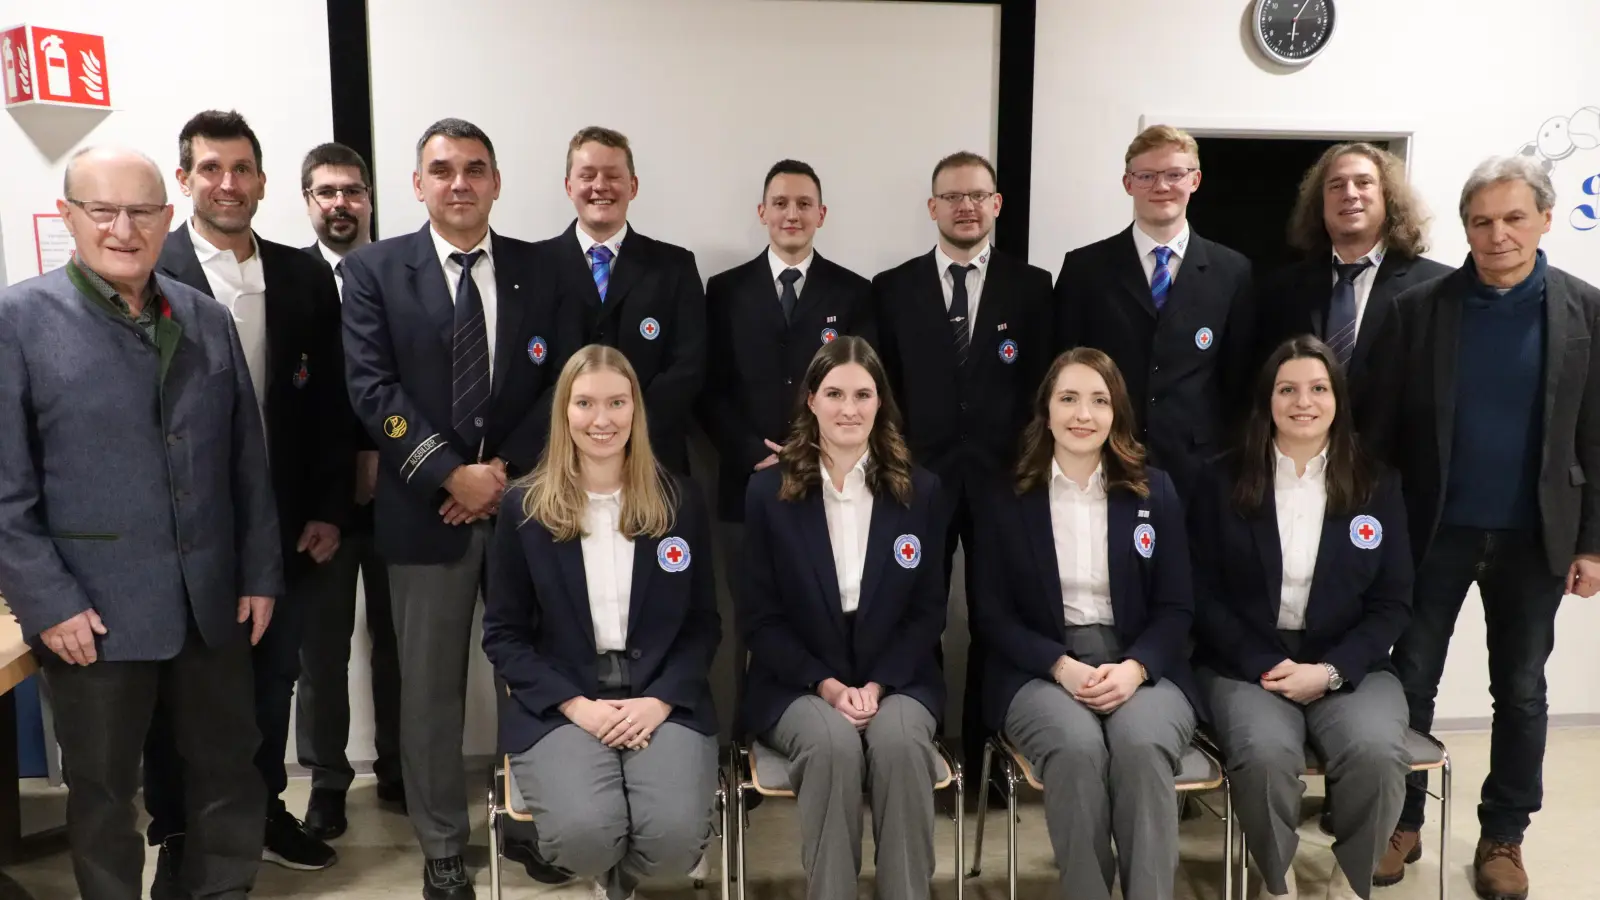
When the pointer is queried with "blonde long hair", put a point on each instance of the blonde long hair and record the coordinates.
(554, 495)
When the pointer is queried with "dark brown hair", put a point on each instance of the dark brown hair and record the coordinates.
(1350, 476)
(961, 159)
(801, 456)
(1122, 457)
(215, 125)
(1405, 219)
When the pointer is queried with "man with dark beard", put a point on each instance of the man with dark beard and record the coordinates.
(285, 310)
(336, 184)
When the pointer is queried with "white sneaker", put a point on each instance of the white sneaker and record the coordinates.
(1339, 886)
(702, 868)
(1288, 882)
(597, 891)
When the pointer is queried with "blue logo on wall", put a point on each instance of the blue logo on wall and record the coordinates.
(1585, 216)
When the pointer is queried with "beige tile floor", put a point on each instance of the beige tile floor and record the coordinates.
(378, 858)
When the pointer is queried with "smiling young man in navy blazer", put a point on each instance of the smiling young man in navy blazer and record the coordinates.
(449, 356)
(964, 332)
(619, 288)
(1171, 308)
(287, 314)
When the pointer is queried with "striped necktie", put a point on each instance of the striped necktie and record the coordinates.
(1341, 329)
(1161, 281)
(470, 354)
(959, 330)
(600, 266)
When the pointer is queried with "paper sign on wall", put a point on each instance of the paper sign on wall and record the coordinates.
(53, 67)
(53, 241)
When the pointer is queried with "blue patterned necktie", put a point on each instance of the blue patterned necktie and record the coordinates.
(1161, 281)
(1341, 329)
(600, 266)
(469, 354)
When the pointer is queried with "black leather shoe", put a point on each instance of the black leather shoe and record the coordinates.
(538, 868)
(325, 819)
(446, 879)
(165, 885)
(287, 844)
(393, 793)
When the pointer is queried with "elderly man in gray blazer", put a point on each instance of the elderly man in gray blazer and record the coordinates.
(138, 537)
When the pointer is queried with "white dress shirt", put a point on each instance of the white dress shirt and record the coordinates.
(1301, 501)
(975, 279)
(482, 276)
(779, 266)
(1146, 245)
(333, 259)
(607, 570)
(614, 243)
(849, 515)
(1078, 522)
(242, 288)
(1364, 281)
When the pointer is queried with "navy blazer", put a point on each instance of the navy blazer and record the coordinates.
(1020, 614)
(1360, 596)
(539, 633)
(399, 318)
(789, 610)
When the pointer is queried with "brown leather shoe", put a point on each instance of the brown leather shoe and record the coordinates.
(1497, 872)
(1404, 847)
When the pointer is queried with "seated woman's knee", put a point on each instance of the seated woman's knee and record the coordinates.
(668, 840)
(586, 838)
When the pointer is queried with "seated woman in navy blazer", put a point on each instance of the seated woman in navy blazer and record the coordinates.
(1084, 605)
(1302, 584)
(842, 604)
(600, 619)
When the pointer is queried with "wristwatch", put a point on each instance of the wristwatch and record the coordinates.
(1335, 680)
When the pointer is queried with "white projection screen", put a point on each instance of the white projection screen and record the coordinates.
(711, 93)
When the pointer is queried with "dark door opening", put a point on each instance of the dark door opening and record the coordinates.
(1248, 191)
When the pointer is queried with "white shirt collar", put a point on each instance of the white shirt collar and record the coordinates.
(205, 251)
(1146, 244)
(586, 241)
(854, 480)
(1285, 466)
(614, 497)
(1095, 487)
(1374, 256)
(444, 248)
(778, 265)
(328, 253)
(943, 261)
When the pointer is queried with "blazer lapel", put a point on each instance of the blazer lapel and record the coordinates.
(757, 290)
(1035, 506)
(278, 297)
(1190, 281)
(429, 287)
(178, 261)
(1334, 530)
(569, 561)
(1315, 293)
(1562, 319)
(813, 522)
(1269, 547)
(1130, 271)
(633, 259)
(994, 305)
(644, 568)
(508, 279)
(1121, 520)
(815, 289)
(881, 535)
(1446, 336)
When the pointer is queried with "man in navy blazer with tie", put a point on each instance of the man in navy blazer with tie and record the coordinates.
(1171, 308)
(619, 288)
(449, 353)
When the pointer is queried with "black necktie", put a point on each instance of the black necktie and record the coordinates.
(788, 297)
(1341, 329)
(470, 357)
(959, 329)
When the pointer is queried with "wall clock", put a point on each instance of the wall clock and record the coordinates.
(1293, 32)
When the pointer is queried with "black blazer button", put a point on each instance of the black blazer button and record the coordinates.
(635, 654)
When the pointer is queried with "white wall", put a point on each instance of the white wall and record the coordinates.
(711, 93)
(166, 61)
(1466, 78)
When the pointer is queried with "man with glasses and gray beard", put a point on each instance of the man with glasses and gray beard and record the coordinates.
(138, 537)
(336, 184)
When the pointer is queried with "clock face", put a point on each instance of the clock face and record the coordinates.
(1293, 32)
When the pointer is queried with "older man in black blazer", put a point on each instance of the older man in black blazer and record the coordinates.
(1485, 394)
(617, 287)
(1363, 231)
(138, 534)
(287, 314)
(1169, 307)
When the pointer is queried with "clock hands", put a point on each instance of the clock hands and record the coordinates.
(1294, 24)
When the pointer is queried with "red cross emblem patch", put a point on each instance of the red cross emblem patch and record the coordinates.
(538, 350)
(1144, 540)
(673, 554)
(1008, 351)
(1366, 532)
(829, 335)
(650, 328)
(1203, 338)
(907, 551)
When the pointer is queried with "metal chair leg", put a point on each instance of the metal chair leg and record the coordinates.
(1227, 841)
(983, 809)
(1444, 829)
(961, 835)
(1244, 864)
(1011, 828)
(495, 846)
(738, 790)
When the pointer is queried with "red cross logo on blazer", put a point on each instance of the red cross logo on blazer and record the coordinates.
(907, 551)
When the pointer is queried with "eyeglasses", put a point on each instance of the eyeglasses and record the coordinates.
(142, 215)
(1170, 177)
(355, 193)
(954, 198)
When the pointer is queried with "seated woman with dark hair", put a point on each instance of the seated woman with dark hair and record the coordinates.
(1084, 605)
(1302, 584)
(842, 603)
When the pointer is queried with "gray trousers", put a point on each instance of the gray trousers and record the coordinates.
(1106, 778)
(433, 610)
(829, 761)
(620, 815)
(1359, 734)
